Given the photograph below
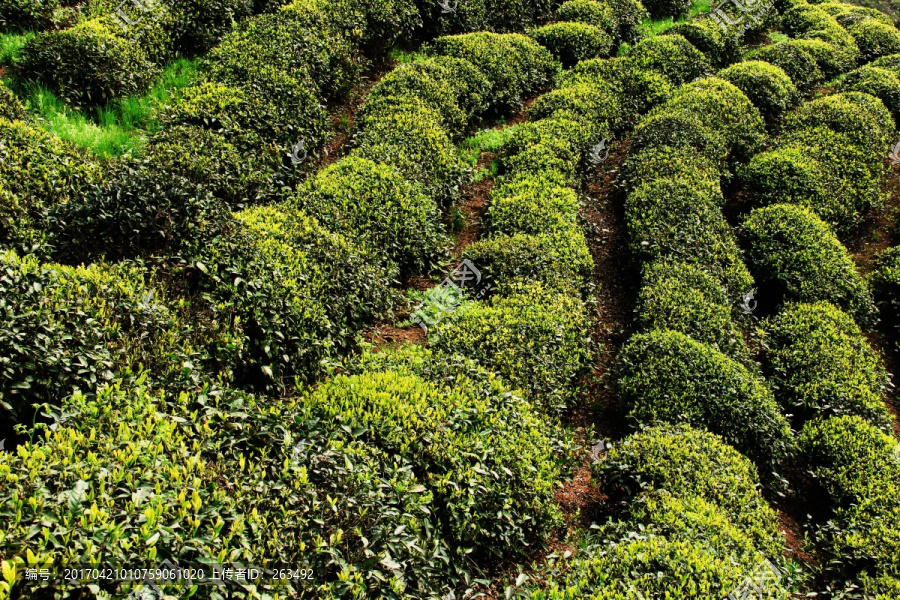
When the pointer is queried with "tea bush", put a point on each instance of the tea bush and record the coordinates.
(375, 25)
(667, 376)
(27, 15)
(830, 59)
(371, 203)
(319, 48)
(87, 64)
(795, 254)
(723, 109)
(678, 130)
(666, 8)
(533, 206)
(562, 261)
(821, 365)
(503, 16)
(230, 170)
(589, 12)
(297, 293)
(857, 466)
(594, 106)
(681, 297)
(37, 170)
(413, 140)
(136, 212)
(875, 39)
(688, 462)
(881, 83)
(11, 108)
(495, 497)
(667, 162)
(829, 173)
(794, 60)
(768, 87)
(885, 282)
(861, 116)
(707, 37)
(534, 337)
(515, 64)
(891, 61)
(668, 218)
(571, 42)
(847, 14)
(76, 328)
(552, 145)
(672, 56)
(628, 15)
(638, 90)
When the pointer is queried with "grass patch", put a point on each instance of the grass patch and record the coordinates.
(11, 46)
(652, 27)
(489, 140)
(119, 127)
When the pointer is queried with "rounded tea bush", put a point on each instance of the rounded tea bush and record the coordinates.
(668, 218)
(667, 376)
(678, 130)
(533, 337)
(668, 162)
(882, 83)
(794, 60)
(821, 365)
(690, 462)
(590, 12)
(595, 106)
(27, 15)
(572, 42)
(707, 37)
(371, 203)
(555, 145)
(830, 59)
(891, 61)
(681, 297)
(413, 140)
(875, 39)
(794, 255)
(666, 8)
(768, 87)
(672, 56)
(629, 14)
(11, 108)
(515, 64)
(859, 115)
(533, 206)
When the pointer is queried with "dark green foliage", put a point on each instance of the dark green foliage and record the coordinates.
(891, 61)
(799, 65)
(572, 42)
(857, 466)
(885, 281)
(534, 337)
(371, 203)
(723, 109)
(515, 64)
(197, 25)
(375, 24)
(502, 16)
(796, 257)
(830, 59)
(688, 462)
(75, 328)
(453, 435)
(27, 15)
(884, 84)
(136, 212)
(298, 293)
(875, 39)
(768, 87)
(822, 365)
(668, 218)
(230, 170)
(708, 38)
(681, 297)
(413, 140)
(667, 8)
(672, 56)
(88, 64)
(628, 15)
(638, 89)
(37, 171)
(667, 376)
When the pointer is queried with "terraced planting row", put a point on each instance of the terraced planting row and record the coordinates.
(185, 357)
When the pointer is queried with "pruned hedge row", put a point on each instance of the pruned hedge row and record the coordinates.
(828, 159)
(703, 523)
(857, 464)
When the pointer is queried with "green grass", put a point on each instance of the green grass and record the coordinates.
(652, 27)
(11, 45)
(489, 140)
(115, 129)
